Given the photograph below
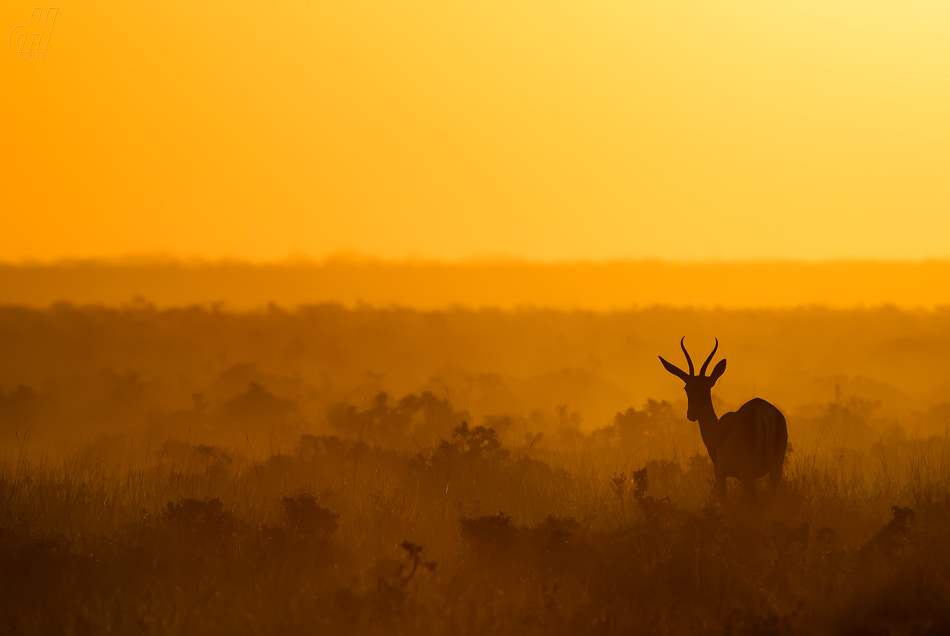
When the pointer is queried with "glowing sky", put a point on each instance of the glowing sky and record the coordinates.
(548, 130)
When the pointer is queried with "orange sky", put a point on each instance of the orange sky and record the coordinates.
(546, 130)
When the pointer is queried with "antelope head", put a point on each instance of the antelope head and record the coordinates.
(698, 387)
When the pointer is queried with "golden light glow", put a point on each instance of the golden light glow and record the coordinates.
(542, 130)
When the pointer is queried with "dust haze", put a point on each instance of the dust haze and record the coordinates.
(347, 318)
(361, 469)
(501, 283)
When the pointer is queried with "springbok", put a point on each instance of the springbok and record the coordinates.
(747, 444)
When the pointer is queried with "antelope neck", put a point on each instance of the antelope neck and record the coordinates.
(710, 429)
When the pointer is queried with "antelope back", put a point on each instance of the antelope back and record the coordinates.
(756, 444)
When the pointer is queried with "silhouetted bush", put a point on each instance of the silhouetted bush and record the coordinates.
(305, 519)
(203, 520)
(491, 533)
(391, 424)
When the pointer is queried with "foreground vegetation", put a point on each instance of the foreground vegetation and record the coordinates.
(195, 471)
(470, 537)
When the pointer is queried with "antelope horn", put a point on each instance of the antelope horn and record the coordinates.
(702, 371)
(690, 362)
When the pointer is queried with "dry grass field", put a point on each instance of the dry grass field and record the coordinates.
(151, 484)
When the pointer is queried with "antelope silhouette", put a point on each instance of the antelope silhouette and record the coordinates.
(745, 444)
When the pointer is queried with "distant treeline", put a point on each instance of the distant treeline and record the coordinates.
(406, 378)
(502, 284)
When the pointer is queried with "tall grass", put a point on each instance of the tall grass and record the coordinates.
(471, 537)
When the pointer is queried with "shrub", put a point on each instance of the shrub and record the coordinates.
(305, 519)
(204, 520)
(489, 533)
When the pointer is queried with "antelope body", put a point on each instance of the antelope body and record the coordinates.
(745, 444)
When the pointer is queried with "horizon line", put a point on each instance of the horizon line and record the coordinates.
(168, 259)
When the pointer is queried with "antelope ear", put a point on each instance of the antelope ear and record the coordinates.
(718, 371)
(674, 369)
